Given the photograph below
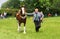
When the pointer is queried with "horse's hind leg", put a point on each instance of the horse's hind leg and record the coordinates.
(24, 28)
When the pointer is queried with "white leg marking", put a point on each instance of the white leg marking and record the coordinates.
(24, 30)
(19, 28)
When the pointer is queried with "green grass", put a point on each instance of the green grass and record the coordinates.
(50, 29)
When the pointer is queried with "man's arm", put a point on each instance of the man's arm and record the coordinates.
(30, 14)
(42, 16)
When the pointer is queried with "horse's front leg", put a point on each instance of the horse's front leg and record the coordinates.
(19, 27)
(24, 28)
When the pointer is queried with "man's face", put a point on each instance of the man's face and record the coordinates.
(36, 10)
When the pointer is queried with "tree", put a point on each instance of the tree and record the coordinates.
(11, 4)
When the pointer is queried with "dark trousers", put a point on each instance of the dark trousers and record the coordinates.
(37, 25)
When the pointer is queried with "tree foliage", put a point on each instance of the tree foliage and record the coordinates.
(11, 4)
(43, 5)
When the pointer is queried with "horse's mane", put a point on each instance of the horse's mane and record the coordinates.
(21, 11)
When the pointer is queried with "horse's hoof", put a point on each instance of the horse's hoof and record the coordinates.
(18, 30)
(24, 32)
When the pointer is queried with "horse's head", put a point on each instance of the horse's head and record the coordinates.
(22, 10)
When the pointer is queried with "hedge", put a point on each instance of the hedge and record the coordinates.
(10, 12)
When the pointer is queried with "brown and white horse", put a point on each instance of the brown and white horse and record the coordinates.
(21, 18)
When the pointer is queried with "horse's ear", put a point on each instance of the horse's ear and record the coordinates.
(20, 7)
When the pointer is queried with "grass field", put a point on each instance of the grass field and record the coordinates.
(50, 29)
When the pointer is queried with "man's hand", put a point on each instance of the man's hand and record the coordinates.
(23, 17)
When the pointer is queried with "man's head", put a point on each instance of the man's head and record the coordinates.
(36, 10)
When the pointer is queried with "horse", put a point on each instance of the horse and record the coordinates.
(21, 18)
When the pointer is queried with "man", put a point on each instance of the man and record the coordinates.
(5, 14)
(38, 17)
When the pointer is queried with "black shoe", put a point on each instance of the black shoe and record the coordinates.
(37, 29)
